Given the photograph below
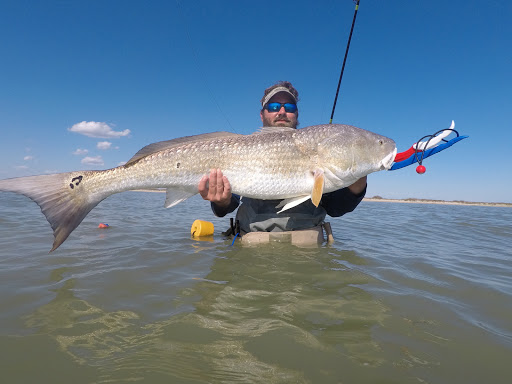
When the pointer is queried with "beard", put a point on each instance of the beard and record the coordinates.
(279, 121)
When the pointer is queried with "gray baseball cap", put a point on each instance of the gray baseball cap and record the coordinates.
(274, 92)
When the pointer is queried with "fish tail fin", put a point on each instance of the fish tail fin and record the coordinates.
(60, 198)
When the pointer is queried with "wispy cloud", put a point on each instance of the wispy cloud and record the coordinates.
(28, 158)
(21, 167)
(92, 160)
(98, 130)
(81, 152)
(104, 145)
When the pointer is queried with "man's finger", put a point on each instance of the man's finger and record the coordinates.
(220, 181)
(213, 181)
(227, 187)
(203, 190)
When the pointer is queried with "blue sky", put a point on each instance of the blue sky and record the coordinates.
(138, 72)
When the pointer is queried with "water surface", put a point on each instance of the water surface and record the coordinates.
(408, 293)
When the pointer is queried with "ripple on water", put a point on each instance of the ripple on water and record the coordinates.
(406, 294)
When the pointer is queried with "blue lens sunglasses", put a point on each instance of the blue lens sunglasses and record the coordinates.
(276, 107)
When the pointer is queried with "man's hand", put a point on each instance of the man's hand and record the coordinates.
(358, 186)
(215, 188)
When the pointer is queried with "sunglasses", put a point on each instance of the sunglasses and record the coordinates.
(276, 107)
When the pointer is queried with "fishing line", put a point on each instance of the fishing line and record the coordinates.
(344, 60)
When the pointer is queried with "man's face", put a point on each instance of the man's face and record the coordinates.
(281, 118)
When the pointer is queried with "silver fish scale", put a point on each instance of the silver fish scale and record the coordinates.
(255, 167)
(270, 165)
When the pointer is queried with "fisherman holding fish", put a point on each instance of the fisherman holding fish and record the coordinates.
(259, 220)
(307, 173)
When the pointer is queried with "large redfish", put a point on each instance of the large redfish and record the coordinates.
(275, 163)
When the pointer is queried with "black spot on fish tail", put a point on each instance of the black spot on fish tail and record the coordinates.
(75, 181)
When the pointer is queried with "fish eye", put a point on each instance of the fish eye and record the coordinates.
(381, 142)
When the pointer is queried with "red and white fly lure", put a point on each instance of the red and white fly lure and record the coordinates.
(427, 146)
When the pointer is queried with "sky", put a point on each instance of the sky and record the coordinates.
(86, 84)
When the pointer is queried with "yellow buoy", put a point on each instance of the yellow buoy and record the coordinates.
(201, 228)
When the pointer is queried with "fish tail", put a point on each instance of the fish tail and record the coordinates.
(62, 199)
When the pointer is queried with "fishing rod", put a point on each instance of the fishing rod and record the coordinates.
(344, 60)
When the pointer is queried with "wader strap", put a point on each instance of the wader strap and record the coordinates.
(328, 233)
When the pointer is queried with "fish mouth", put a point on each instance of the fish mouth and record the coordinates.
(388, 161)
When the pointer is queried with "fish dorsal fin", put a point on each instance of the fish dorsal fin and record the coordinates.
(162, 145)
(274, 130)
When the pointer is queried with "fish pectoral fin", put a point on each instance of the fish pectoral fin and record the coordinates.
(176, 195)
(318, 187)
(292, 202)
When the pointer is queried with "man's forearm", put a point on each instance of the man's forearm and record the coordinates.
(358, 187)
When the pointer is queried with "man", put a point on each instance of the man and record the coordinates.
(279, 109)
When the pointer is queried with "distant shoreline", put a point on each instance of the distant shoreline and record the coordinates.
(406, 201)
(441, 202)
